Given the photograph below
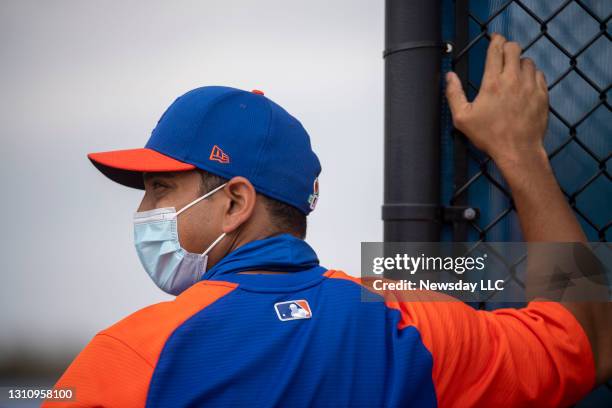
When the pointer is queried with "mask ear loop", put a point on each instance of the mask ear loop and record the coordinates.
(204, 255)
(197, 200)
(215, 242)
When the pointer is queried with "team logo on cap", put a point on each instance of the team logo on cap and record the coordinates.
(219, 155)
(314, 197)
(293, 310)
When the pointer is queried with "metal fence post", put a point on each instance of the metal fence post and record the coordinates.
(411, 210)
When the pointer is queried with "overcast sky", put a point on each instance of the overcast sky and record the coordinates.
(84, 76)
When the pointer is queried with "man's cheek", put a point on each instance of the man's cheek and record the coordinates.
(193, 232)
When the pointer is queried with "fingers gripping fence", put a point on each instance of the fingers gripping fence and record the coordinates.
(570, 42)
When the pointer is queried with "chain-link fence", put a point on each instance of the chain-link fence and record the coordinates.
(570, 42)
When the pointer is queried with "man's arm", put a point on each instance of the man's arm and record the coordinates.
(508, 120)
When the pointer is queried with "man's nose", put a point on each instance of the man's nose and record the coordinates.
(147, 203)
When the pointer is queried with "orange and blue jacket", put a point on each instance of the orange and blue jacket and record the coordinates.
(307, 338)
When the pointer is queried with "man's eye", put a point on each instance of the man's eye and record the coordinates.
(158, 185)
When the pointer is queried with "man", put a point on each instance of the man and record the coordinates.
(229, 178)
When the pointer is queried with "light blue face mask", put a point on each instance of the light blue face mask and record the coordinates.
(156, 239)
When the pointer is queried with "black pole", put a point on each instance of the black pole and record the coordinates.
(411, 210)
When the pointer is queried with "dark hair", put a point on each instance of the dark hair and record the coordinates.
(286, 217)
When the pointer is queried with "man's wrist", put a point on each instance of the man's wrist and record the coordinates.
(517, 165)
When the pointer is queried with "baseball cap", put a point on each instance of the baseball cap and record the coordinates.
(228, 132)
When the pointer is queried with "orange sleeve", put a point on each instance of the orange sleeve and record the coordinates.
(107, 373)
(536, 356)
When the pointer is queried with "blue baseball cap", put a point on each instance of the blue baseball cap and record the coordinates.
(228, 132)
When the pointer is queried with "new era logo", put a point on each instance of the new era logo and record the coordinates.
(293, 310)
(219, 155)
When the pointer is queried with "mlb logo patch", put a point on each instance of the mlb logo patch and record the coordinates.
(314, 197)
(293, 310)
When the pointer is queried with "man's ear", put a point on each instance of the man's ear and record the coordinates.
(241, 204)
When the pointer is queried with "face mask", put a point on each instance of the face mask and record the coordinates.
(156, 239)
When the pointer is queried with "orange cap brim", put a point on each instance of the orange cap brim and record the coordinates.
(126, 166)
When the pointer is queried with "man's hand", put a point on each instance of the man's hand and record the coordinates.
(508, 118)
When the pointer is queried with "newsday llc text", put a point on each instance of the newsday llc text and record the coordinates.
(462, 286)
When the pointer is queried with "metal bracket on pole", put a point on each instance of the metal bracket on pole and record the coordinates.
(444, 47)
(424, 212)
